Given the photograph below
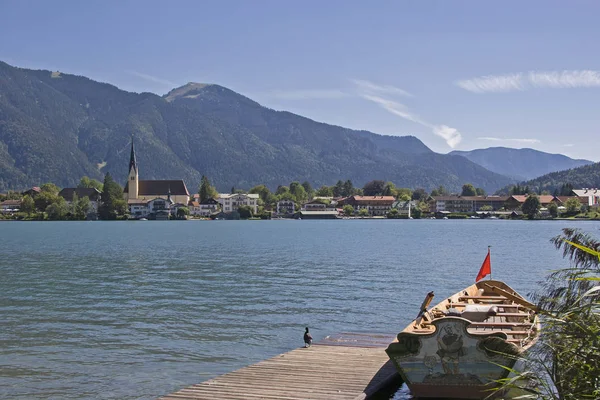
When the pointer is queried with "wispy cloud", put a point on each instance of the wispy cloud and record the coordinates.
(565, 79)
(517, 140)
(370, 87)
(153, 79)
(493, 83)
(568, 145)
(309, 94)
(451, 135)
(533, 79)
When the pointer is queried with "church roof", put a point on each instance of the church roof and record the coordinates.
(161, 188)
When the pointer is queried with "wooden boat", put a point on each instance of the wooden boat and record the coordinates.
(457, 348)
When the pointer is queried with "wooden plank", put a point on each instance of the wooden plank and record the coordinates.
(347, 366)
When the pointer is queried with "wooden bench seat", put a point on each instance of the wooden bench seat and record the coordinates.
(499, 324)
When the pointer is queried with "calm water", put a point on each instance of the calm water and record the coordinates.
(140, 309)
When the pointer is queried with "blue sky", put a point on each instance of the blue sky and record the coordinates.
(456, 74)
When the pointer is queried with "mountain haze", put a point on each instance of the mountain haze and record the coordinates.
(58, 127)
(521, 164)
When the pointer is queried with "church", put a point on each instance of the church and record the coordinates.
(140, 194)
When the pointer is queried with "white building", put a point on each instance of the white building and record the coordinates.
(592, 195)
(231, 202)
(286, 207)
(204, 209)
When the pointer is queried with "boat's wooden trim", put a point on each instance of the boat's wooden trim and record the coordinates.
(510, 296)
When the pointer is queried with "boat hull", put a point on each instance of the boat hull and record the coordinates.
(451, 362)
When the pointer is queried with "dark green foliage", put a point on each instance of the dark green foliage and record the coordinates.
(553, 210)
(27, 205)
(58, 210)
(419, 194)
(440, 191)
(245, 212)
(324, 191)
(560, 182)
(531, 206)
(183, 212)
(374, 188)
(60, 128)
(87, 182)
(206, 190)
(113, 203)
(468, 190)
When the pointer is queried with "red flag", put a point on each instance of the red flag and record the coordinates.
(486, 268)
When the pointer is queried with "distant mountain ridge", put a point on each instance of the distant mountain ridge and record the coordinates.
(58, 127)
(520, 164)
(587, 176)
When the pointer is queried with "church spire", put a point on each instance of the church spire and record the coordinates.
(132, 162)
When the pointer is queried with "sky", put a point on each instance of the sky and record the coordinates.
(458, 75)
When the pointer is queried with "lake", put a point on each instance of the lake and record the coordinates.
(128, 310)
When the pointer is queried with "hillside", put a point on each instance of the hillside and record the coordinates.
(587, 176)
(521, 164)
(58, 127)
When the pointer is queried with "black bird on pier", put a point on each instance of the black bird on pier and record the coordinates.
(307, 338)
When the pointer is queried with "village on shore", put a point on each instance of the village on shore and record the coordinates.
(171, 199)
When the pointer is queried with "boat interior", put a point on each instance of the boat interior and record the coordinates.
(491, 306)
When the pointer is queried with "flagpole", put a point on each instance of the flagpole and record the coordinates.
(489, 247)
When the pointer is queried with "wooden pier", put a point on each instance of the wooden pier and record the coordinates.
(347, 366)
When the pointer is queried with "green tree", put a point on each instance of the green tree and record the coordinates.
(27, 205)
(404, 194)
(310, 193)
(348, 189)
(324, 191)
(281, 190)
(245, 212)
(531, 206)
(50, 188)
(440, 191)
(44, 199)
(262, 191)
(419, 194)
(373, 188)
(298, 191)
(81, 207)
(389, 189)
(468, 190)
(87, 182)
(206, 190)
(338, 189)
(573, 205)
(393, 213)
(183, 212)
(480, 192)
(348, 210)
(486, 208)
(363, 212)
(113, 203)
(417, 212)
(58, 210)
(553, 209)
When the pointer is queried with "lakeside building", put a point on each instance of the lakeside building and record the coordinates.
(34, 191)
(140, 193)
(10, 206)
(375, 205)
(203, 209)
(466, 204)
(405, 207)
(588, 196)
(231, 202)
(285, 208)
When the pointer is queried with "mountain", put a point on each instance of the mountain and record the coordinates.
(58, 127)
(521, 164)
(587, 176)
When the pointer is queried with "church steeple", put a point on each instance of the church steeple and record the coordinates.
(132, 162)
(133, 181)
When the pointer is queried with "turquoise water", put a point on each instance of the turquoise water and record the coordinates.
(128, 310)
